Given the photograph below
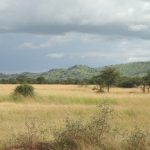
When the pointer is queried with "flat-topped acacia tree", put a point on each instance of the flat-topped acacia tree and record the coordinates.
(146, 82)
(108, 77)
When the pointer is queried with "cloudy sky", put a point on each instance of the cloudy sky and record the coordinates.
(37, 35)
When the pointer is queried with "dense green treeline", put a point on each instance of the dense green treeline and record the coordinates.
(131, 75)
(118, 81)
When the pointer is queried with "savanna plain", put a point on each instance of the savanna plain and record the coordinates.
(74, 117)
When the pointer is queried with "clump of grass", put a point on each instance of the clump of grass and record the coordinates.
(130, 113)
(137, 140)
(16, 97)
(96, 134)
(108, 101)
(24, 90)
(29, 139)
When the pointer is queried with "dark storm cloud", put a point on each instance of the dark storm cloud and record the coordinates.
(110, 29)
(114, 17)
(36, 35)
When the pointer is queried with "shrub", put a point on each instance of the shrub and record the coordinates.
(76, 135)
(95, 134)
(30, 139)
(137, 140)
(24, 90)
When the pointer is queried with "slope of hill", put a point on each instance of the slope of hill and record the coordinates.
(134, 69)
(80, 72)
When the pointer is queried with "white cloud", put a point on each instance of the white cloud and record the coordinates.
(54, 40)
(147, 5)
(28, 45)
(95, 54)
(137, 59)
(56, 55)
(138, 27)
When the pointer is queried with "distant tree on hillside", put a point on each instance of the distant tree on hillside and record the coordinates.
(129, 82)
(41, 80)
(22, 79)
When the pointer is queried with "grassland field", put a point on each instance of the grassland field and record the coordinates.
(52, 104)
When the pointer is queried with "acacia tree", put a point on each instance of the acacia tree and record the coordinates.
(146, 82)
(99, 82)
(41, 80)
(108, 77)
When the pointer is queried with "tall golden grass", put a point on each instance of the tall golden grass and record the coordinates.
(52, 104)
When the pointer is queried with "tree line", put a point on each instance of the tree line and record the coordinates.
(107, 77)
(111, 77)
(22, 79)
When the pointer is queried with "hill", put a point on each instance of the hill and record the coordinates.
(83, 72)
(77, 72)
(134, 69)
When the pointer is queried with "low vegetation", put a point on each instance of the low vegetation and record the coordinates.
(96, 134)
(65, 117)
(24, 90)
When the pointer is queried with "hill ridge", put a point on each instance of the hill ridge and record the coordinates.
(85, 72)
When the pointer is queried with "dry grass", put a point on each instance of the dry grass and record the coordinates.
(54, 103)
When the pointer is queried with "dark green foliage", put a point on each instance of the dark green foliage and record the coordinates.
(97, 80)
(127, 82)
(74, 75)
(146, 82)
(24, 90)
(23, 79)
(107, 77)
(134, 69)
(41, 80)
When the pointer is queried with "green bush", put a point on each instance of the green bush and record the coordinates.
(24, 90)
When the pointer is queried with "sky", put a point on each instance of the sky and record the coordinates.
(38, 35)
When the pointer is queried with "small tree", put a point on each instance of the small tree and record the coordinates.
(41, 80)
(24, 90)
(23, 79)
(129, 82)
(108, 77)
(146, 82)
(99, 82)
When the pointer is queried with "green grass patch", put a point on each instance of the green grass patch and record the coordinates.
(81, 100)
(63, 100)
(130, 113)
(13, 98)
